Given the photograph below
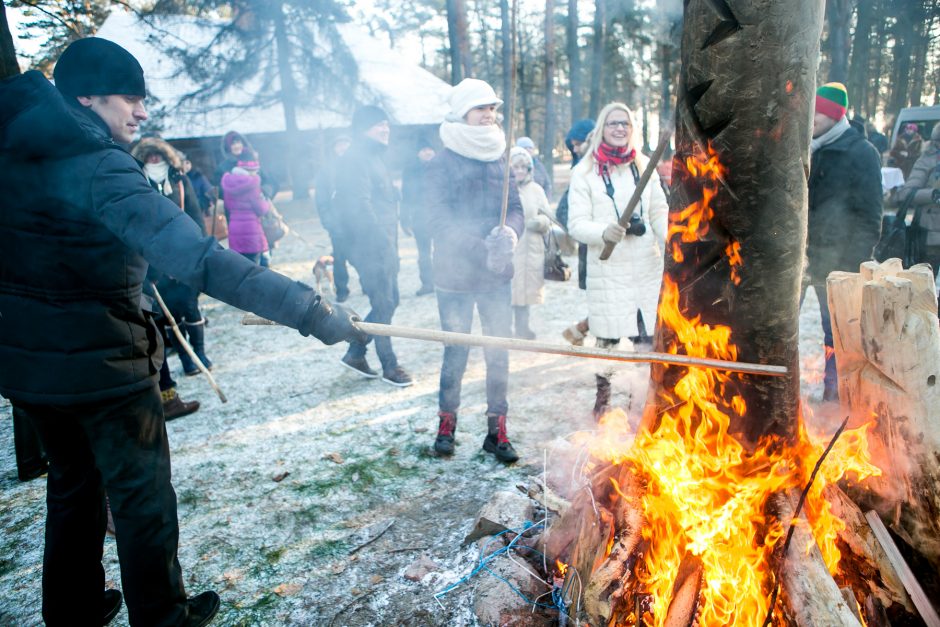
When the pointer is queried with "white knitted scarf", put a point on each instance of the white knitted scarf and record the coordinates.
(830, 136)
(483, 143)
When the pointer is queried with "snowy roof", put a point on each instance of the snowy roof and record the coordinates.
(407, 92)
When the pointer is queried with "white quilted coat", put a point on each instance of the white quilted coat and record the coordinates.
(630, 279)
(528, 279)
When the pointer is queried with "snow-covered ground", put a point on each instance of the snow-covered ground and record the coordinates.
(356, 457)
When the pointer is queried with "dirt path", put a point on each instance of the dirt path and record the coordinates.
(357, 456)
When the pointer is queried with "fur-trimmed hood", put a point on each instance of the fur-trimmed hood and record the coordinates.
(150, 145)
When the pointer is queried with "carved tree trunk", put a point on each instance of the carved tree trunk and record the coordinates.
(887, 342)
(751, 103)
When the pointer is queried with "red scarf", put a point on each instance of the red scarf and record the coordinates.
(610, 156)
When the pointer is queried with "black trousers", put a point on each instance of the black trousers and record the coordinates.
(119, 446)
(29, 454)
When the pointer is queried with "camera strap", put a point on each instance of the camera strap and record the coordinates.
(609, 186)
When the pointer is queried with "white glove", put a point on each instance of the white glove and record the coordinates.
(538, 224)
(500, 244)
(613, 233)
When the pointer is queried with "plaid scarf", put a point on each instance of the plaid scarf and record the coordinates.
(609, 156)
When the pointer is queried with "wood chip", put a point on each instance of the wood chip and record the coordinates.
(280, 476)
(287, 589)
(334, 457)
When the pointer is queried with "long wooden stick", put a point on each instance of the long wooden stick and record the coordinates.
(508, 343)
(185, 345)
(919, 598)
(664, 138)
(510, 107)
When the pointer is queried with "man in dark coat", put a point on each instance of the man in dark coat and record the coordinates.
(845, 206)
(366, 202)
(414, 213)
(78, 226)
(325, 186)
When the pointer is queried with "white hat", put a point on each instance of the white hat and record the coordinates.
(518, 152)
(470, 93)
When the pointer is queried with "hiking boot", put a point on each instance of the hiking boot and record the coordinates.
(397, 376)
(174, 406)
(446, 427)
(497, 442)
(602, 400)
(112, 605)
(359, 365)
(201, 609)
(425, 289)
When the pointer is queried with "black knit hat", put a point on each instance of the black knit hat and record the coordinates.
(366, 117)
(98, 67)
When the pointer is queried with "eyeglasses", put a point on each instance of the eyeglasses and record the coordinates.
(618, 123)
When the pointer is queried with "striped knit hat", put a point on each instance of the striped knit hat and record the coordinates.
(832, 100)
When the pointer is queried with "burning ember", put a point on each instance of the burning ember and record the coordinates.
(705, 495)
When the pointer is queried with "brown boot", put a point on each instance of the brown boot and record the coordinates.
(174, 406)
(577, 332)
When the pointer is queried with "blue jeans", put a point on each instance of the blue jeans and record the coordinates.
(382, 289)
(456, 311)
(830, 381)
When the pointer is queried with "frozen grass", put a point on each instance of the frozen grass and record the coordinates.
(279, 552)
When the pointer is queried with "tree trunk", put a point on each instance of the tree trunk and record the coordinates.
(457, 35)
(924, 25)
(597, 57)
(297, 169)
(861, 58)
(839, 16)
(727, 92)
(875, 77)
(506, 49)
(574, 59)
(8, 63)
(901, 70)
(548, 139)
(484, 38)
(522, 88)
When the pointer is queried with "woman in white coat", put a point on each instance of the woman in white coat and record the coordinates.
(622, 292)
(528, 280)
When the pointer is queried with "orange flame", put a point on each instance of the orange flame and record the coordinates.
(562, 567)
(706, 494)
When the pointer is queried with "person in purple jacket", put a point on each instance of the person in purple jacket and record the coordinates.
(472, 259)
(245, 204)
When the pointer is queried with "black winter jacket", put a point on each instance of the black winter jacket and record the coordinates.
(365, 206)
(845, 205)
(78, 225)
(465, 198)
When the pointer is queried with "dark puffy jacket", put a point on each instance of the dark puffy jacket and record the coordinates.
(465, 198)
(414, 196)
(845, 205)
(365, 206)
(78, 225)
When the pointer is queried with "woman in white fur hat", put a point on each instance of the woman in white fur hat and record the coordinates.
(473, 252)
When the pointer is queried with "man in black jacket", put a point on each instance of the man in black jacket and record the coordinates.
(365, 203)
(845, 206)
(79, 353)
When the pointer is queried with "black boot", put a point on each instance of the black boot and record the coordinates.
(602, 401)
(197, 339)
(496, 441)
(522, 323)
(31, 460)
(201, 609)
(174, 406)
(446, 427)
(112, 605)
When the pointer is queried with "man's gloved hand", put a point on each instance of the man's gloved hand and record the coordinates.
(500, 244)
(935, 196)
(539, 224)
(333, 323)
(613, 233)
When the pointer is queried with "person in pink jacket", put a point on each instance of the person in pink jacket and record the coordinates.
(245, 204)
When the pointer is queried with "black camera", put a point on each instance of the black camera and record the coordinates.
(636, 226)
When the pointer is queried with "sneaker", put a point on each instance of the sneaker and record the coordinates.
(425, 289)
(360, 365)
(112, 605)
(398, 377)
(498, 443)
(174, 406)
(202, 609)
(447, 425)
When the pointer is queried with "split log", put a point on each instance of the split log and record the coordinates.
(887, 342)
(685, 594)
(810, 595)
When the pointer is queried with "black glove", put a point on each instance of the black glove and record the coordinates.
(935, 196)
(332, 323)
